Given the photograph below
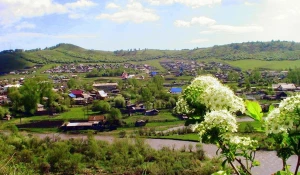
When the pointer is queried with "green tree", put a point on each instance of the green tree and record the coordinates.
(146, 94)
(72, 83)
(3, 112)
(233, 76)
(294, 75)
(101, 106)
(119, 101)
(33, 92)
(115, 114)
(16, 100)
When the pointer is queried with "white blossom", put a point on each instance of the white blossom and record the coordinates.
(282, 119)
(210, 92)
(223, 120)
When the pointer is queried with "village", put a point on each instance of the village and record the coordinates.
(269, 88)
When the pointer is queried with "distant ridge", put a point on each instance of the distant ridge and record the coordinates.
(68, 53)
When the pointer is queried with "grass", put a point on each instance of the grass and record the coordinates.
(273, 65)
(76, 113)
(163, 115)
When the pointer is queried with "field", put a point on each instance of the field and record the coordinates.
(271, 65)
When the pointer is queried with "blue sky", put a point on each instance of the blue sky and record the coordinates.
(154, 24)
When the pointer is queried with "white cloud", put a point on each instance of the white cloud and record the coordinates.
(16, 10)
(134, 12)
(25, 25)
(189, 3)
(202, 20)
(112, 6)
(66, 36)
(207, 32)
(76, 15)
(180, 23)
(80, 4)
(213, 27)
(201, 40)
(236, 29)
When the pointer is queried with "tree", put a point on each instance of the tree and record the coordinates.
(16, 100)
(72, 83)
(3, 112)
(119, 101)
(115, 114)
(101, 106)
(233, 76)
(33, 92)
(146, 94)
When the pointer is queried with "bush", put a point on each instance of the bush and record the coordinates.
(122, 134)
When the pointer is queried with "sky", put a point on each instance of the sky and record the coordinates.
(153, 24)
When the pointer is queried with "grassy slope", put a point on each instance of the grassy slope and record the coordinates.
(247, 55)
(10, 62)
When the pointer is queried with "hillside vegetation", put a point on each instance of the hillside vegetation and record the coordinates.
(68, 53)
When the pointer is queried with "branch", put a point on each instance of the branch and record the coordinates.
(243, 166)
(236, 171)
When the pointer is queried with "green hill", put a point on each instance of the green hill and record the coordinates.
(68, 53)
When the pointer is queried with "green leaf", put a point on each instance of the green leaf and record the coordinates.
(271, 107)
(254, 110)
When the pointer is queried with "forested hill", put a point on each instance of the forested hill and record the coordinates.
(68, 53)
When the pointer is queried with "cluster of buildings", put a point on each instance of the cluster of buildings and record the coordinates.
(85, 68)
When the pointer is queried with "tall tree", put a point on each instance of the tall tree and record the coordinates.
(33, 92)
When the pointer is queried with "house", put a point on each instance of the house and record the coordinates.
(152, 112)
(40, 108)
(183, 117)
(175, 90)
(133, 108)
(250, 97)
(281, 95)
(152, 74)
(6, 87)
(7, 117)
(286, 87)
(140, 123)
(78, 93)
(105, 86)
(80, 101)
(101, 95)
(97, 118)
(115, 91)
(72, 95)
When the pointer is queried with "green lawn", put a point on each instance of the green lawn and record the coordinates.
(76, 113)
(274, 65)
(163, 115)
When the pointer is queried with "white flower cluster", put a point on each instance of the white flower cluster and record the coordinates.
(242, 143)
(182, 107)
(282, 119)
(223, 120)
(208, 91)
(219, 97)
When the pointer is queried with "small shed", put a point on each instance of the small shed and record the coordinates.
(152, 112)
(176, 90)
